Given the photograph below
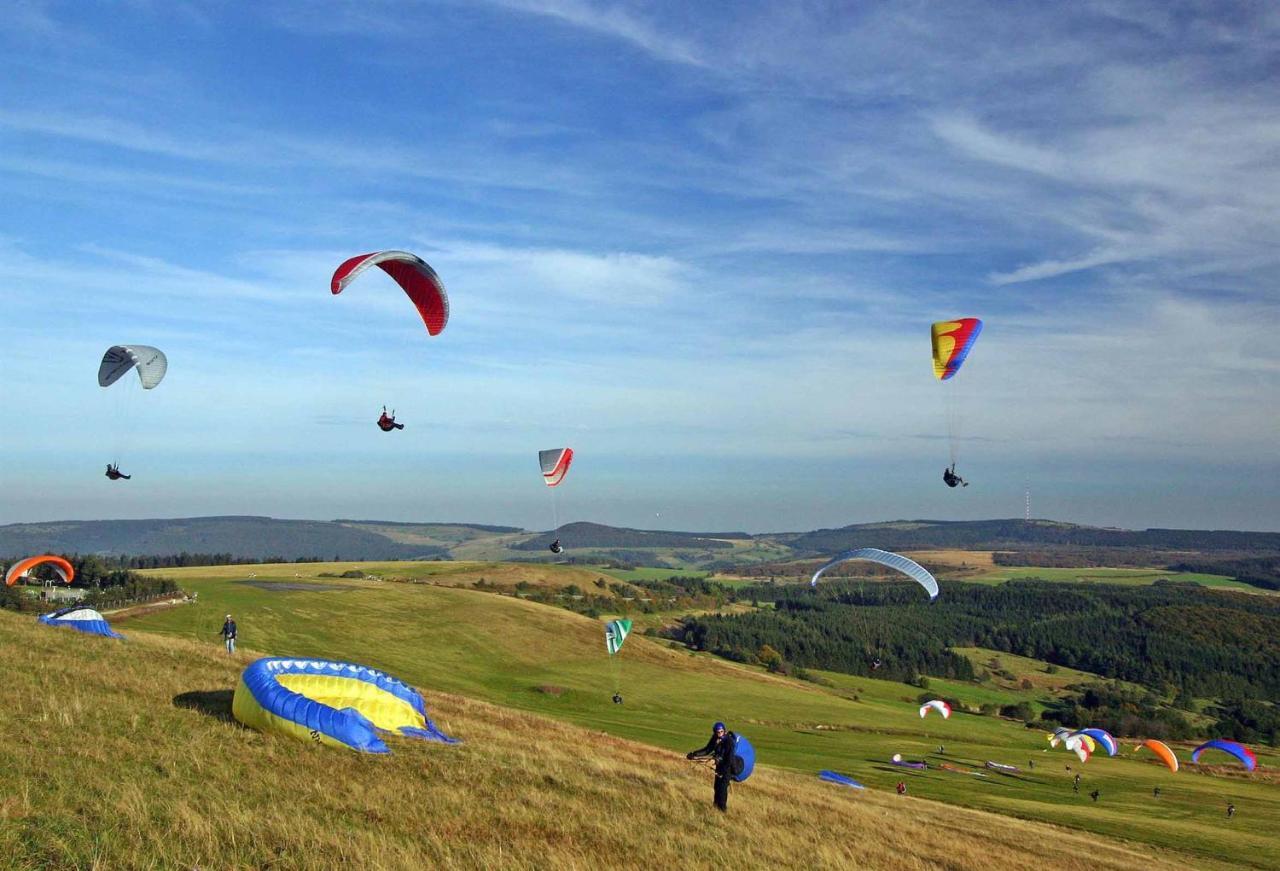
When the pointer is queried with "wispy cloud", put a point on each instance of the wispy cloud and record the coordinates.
(712, 240)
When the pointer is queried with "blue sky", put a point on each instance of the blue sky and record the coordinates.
(700, 243)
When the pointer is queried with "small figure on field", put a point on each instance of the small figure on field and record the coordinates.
(902, 787)
(228, 632)
(1094, 795)
(1231, 810)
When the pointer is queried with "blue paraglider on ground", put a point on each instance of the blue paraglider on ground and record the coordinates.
(341, 704)
(744, 758)
(81, 619)
(843, 780)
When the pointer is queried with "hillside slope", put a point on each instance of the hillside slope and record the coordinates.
(124, 756)
(509, 652)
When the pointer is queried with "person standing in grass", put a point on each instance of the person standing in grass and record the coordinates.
(720, 748)
(229, 633)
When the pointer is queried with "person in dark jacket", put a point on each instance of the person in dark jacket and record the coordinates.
(228, 632)
(114, 473)
(387, 422)
(720, 747)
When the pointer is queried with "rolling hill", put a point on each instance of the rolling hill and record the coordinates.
(163, 776)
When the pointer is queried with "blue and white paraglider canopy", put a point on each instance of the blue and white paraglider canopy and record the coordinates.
(82, 620)
(895, 561)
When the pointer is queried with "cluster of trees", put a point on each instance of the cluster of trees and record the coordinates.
(107, 581)
(1262, 572)
(184, 559)
(1025, 534)
(1247, 720)
(605, 596)
(888, 634)
(1124, 712)
(1178, 638)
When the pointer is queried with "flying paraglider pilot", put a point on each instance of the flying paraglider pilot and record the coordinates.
(720, 748)
(113, 472)
(952, 478)
(555, 547)
(387, 422)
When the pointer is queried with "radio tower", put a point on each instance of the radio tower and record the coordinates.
(1027, 511)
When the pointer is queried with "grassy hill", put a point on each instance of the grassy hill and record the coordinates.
(511, 652)
(124, 755)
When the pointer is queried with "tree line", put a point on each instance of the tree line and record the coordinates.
(1175, 638)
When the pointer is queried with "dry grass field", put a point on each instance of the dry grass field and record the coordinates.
(123, 755)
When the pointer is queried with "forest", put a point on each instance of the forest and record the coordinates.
(1180, 641)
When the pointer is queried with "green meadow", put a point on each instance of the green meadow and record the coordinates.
(550, 662)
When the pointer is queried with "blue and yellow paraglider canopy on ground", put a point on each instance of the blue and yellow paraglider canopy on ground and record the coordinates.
(337, 703)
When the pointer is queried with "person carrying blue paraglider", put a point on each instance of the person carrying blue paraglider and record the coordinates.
(721, 748)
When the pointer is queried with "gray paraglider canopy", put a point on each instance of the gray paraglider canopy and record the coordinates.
(119, 359)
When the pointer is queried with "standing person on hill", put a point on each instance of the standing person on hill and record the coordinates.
(720, 748)
(228, 632)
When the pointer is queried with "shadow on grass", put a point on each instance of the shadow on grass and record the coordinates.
(214, 703)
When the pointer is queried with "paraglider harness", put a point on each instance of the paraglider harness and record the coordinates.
(722, 757)
(555, 547)
(952, 479)
(387, 423)
(617, 698)
(113, 472)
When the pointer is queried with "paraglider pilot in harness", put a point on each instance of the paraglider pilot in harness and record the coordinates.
(387, 422)
(114, 473)
(952, 479)
(555, 547)
(721, 747)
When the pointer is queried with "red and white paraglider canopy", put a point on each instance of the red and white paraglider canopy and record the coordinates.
(418, 280)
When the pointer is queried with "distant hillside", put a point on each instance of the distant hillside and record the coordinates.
(1043, 541)
(1021, 534)
(244, 537)
(595, 535)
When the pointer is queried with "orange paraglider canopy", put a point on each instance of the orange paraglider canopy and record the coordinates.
(21, 567)
(1162, 750)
